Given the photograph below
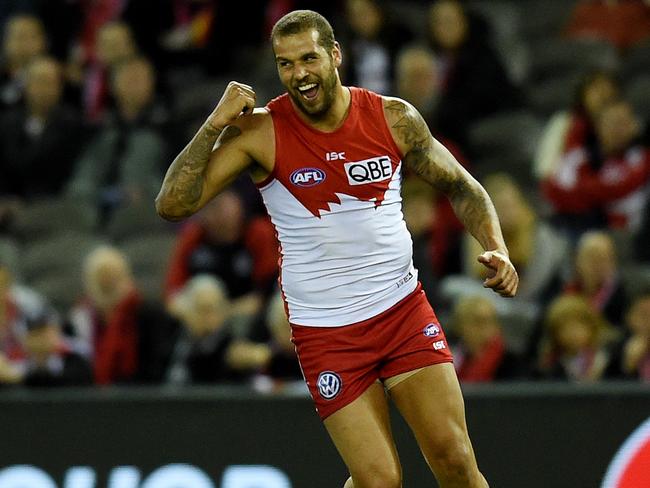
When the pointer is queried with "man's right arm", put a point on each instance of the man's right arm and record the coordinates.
(200, 171)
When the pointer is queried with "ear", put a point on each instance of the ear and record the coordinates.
(337, 55)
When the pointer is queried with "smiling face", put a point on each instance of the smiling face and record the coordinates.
(308, 71)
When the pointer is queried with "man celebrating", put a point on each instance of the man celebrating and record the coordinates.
(327, 160)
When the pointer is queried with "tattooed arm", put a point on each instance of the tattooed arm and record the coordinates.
(213, 158)
(434, 163)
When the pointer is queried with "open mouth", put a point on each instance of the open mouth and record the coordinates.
(309, 91)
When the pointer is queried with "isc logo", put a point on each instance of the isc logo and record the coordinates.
(369, 170)
(333, 156)
(306, 177)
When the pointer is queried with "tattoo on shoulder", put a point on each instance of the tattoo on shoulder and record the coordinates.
(412, 131)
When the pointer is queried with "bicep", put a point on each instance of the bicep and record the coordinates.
(423, 154)
(228, 160)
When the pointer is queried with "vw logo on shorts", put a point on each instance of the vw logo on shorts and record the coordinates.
(431, 330)
(329, 384)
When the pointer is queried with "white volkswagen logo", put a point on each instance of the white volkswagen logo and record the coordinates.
(329, 384)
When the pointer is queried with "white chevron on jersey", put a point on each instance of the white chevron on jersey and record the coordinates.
(348, 265)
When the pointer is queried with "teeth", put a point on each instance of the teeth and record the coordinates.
(306, 87)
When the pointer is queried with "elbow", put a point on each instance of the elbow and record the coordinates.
(169, 210)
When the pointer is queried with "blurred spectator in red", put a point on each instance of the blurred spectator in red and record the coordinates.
(576, 344)
(24, 40)
(114, 44)
(538, 252)
(105, 323)
(222, 243)
(17, 305)
(49, 359)
(206, 348)
(597, 277)
(465, 55)
(122, 163)
(621, 22)
(614, 187)
(40, 140)
(373, 40)
(480, 354)
(569, 130)
(436, 233)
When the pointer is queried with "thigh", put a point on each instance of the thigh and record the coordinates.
(361, 433)
(432, 404)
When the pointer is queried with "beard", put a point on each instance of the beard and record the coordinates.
(327, 86)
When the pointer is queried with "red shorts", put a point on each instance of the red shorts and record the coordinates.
(340, 363)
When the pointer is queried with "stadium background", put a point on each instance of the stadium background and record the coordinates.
(252, 425)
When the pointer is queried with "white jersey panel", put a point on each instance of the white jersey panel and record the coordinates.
(348, 265)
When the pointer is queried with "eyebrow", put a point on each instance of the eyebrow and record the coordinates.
(310, 53)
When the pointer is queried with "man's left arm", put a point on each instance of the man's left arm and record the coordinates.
(435, 164)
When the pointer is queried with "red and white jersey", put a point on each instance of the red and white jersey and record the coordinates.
(334, 199)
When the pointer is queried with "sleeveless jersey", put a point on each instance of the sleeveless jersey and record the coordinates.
(334, 199)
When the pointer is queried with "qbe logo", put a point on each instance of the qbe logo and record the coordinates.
(431, 330)
(369, 170)
(329, 384)
(307, 177)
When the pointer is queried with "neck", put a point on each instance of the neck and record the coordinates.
(335, 116)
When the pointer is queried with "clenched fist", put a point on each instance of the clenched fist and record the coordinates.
(238, 99)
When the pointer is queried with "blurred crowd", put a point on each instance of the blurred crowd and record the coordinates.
(544, 101)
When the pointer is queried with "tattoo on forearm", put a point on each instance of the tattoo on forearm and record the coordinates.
(431, 161)
(183, 183)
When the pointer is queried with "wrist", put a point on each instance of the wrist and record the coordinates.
(214, 127)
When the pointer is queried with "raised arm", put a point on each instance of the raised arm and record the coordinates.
(434, 163)
(212, 159)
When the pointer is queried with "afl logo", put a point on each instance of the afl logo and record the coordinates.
(431, 330)
(307, 177)
(329, 384)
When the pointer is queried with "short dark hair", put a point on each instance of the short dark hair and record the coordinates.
(299, 21)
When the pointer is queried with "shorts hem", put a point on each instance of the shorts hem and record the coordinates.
(338, 406)
(416, 365)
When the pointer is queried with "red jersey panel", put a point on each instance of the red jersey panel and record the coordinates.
(334, 198)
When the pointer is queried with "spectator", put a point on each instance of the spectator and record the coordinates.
(621, 22)
(597, 278)
(374, 42)
(113, 45)
(206, 348)
(480, 354)
(105, 323)
(220, 242)
(435, 231)
(39, 141)
(633, 360)
(575, 347)
(17, 305)
(121, 165)
(465, 55)
(569, 130)
(416, 80)
(49, 360)
(24, 40)
(614, 188)
(283, 363)
(538, 252)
